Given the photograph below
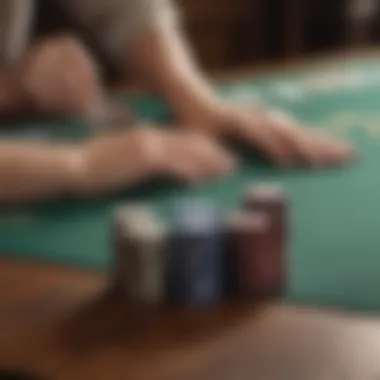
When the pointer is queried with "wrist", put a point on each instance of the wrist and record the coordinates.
(113, 161)
(74, 164)
(209, 117)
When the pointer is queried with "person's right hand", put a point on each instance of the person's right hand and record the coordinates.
(123, 159)
(278, 136)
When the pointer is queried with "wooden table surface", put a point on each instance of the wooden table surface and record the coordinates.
(65, 324)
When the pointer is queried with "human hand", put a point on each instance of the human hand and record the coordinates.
(125, 158)
(58, 77)
(279, 137)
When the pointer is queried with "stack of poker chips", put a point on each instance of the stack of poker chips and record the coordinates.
(140, 255)
(195, 271)
(203, 258)
(247, 237)
(260, 241)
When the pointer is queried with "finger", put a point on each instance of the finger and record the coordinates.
(185, 171)
(201, 154)
(180, 160)
(302, 147)
(333, 151)
(314, 147)
(213, 158)
(262, 134)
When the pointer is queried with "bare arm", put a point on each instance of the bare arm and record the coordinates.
(161, 57)
(145, 35)
(107, 163)
(34, 171)
(31, 171)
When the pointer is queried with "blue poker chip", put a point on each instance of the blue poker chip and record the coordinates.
(195, 268)
(196, 216)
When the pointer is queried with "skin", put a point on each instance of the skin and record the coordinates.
(58, 76)
(174, 74)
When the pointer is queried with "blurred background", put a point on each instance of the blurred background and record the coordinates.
(230, 33)
(234, 33)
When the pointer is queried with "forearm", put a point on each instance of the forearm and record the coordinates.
(39, 171)
(31, 172)
(162, 59)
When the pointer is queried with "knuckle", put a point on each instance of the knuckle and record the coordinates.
(147, 143)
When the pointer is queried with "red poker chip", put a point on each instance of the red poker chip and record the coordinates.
(247, 230)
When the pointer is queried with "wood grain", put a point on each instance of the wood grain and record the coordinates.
(68, 325)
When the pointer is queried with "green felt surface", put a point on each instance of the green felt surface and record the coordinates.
(334, 255)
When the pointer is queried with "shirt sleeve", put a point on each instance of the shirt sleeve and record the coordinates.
(114, 24)
(16, 20)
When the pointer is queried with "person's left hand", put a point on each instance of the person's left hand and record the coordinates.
(59, 77)
(278, 136)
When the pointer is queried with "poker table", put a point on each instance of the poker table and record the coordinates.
(58, 318)
(334, 243)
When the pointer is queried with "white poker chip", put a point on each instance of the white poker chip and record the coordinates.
(265, 192)
(139, 222)
(140, 260)
(195, 216)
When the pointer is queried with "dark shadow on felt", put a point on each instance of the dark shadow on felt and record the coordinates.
(248, 155)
